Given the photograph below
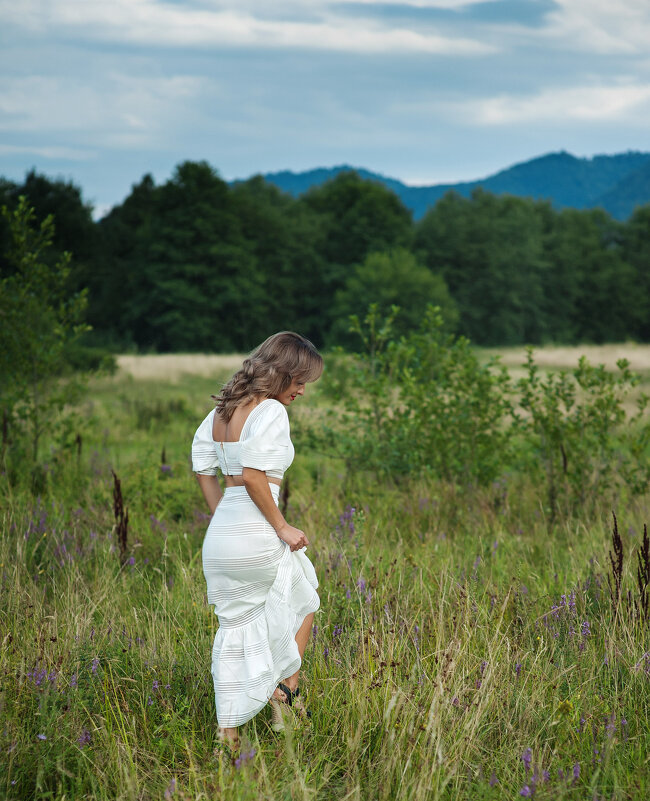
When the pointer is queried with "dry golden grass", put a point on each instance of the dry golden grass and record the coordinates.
(173, 366)
(566, 357)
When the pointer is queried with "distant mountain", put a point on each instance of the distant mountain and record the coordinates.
(616, 183)
(631, 191)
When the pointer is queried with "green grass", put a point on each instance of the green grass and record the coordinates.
(442, 651)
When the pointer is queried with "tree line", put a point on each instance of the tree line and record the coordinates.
(196, 264)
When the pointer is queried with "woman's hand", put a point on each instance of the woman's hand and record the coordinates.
(294, 537)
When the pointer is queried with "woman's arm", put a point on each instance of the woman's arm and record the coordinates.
(258, 488)
(211, 490)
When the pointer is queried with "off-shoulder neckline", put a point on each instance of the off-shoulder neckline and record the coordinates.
(243, 428)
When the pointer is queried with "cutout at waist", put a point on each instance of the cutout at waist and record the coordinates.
(238, 481)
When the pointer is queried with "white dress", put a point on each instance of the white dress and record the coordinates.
(260, 589)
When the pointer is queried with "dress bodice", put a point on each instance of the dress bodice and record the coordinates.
(264, 443)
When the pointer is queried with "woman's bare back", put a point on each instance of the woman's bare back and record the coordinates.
(231, 431)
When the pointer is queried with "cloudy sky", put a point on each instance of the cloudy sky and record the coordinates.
(427, 91)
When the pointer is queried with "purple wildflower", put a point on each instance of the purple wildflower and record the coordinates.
(131, 560)
(337, 631)
(37, 676)
(526, 791)
(84, 739)
(518, 669)
(585, 629)
(346, 520)
(527, 758)
(244, 757)
(493, 779)
(165, 468)
(576, 772)
(361, 585)
(326, 653)
(169, 792)
(41, 737)
(95, 663)
(155, 685)
(73, 681)
(546, 776)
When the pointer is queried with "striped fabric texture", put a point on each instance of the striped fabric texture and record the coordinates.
(260, 589)
(264, 443)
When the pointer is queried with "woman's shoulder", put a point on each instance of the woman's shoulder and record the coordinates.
(267, 412)
(205, 426)
(270, 406)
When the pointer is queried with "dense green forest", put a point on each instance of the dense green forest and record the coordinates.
(195, 264)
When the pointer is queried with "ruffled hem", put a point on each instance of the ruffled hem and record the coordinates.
(249, 661)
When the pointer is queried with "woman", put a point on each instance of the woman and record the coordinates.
(259, 579)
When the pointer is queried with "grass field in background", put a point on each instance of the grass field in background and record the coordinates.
(463, 649)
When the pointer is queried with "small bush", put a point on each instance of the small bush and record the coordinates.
(421, 403)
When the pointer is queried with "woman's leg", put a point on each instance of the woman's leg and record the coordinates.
(302, 638)
(230, 736)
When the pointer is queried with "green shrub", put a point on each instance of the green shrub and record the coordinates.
(421, 403)
(426, 403)
(582, 442)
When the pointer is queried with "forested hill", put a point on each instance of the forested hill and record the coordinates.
(196, 264)
(615, 183)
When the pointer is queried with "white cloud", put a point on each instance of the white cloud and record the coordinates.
(157, 23)
(48, 152)
(122, 110)
(612, 103)
(601, 26)
(448, 4)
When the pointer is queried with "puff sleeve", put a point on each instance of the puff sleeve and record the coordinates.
(204, 451)
(268, 443)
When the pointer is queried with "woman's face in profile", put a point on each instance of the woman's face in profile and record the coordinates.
(291, 392)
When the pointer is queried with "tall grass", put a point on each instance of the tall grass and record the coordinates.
(463, 650)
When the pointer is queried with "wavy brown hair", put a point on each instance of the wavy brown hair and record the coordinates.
(269, 370)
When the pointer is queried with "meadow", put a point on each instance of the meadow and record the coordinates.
(467, 646)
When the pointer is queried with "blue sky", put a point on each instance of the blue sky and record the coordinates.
(429, 91)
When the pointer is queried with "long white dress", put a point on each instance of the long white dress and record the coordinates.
(260, 589)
